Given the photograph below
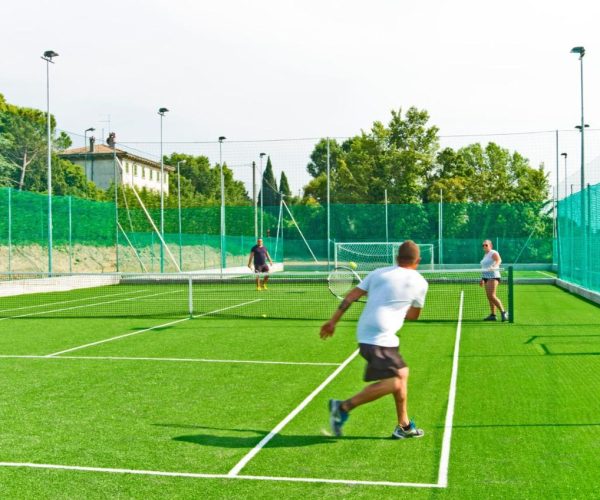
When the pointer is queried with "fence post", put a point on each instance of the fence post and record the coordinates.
(70, 235)
(511, 296)
(9, 229)
(190, 297)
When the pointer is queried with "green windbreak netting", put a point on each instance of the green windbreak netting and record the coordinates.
(83, 233)
(578, 242)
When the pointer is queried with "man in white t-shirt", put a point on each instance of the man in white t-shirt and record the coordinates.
(395, 293)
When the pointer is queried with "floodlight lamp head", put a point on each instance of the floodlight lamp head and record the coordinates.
(162, 111)
(91, 129)
(578, 50)
(48, 55)
(263, 154)
(563, 154)
(222, 138)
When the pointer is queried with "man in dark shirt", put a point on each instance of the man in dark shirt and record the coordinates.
(260, 254)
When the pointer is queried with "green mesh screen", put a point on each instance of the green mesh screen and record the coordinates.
(85, 235)
(578, 242)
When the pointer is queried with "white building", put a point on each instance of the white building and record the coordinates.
(98, 164)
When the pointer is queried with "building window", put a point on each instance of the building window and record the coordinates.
(135, 170)
(126, 167)
(150, 174)
(143, 172)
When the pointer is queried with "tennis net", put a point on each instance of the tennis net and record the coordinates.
(289, 296)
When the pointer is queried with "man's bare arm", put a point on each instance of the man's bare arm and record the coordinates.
(413, 313)
(353, 295)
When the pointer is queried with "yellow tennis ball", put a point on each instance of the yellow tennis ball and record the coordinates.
(263, 315)
(352, 265)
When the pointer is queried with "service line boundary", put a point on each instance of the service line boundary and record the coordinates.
(213, 476)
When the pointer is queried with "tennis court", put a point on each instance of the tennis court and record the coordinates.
(116, 389)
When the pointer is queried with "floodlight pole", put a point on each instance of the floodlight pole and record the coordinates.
(387, 232)
(162, 112)
(223, 248)
(48, 55)
(329, 206)
(179, 211)
(564, 155)
(581, 127)
(254, 200)
(262, 193)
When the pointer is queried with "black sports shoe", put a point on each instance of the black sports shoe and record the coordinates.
(491, 317)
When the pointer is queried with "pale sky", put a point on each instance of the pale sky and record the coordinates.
(275, 69)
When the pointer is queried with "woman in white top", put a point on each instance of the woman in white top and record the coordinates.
(490, 278)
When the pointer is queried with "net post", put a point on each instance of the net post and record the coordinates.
(190, 297)
(511, 296)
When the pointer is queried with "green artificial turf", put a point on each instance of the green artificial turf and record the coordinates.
(525, 426)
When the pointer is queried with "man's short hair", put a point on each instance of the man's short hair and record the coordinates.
(408, 253)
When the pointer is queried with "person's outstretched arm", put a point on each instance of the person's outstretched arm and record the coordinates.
(353, 295)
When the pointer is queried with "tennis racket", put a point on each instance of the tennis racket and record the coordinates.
(341, 280)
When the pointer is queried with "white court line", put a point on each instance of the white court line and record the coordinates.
(214, 476)
(137, 297)
(250, 455)
(182, 360)
(60, 302)
(546, 274)
(147, 329)
(445, 456)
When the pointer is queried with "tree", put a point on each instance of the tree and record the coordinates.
(318, 158)
(395, 157)
(201, 182)
(489, 174)
(23, 148)
(269, 187)
(284, 188)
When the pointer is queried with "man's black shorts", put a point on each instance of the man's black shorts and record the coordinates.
(261, 269)
(382, 362)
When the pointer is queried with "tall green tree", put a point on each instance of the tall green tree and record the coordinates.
(23, 149)
(284, 188)
(269, 187)
(489, 174)
(201, 182)
(318, 157)
(396, 157)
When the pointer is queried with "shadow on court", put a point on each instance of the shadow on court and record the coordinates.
(279, 441)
